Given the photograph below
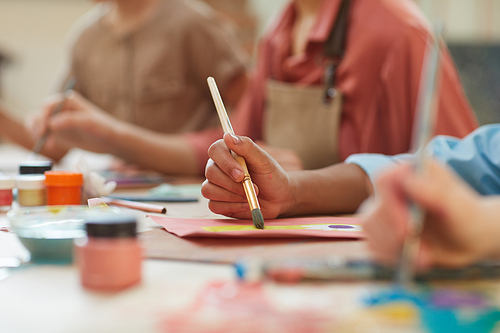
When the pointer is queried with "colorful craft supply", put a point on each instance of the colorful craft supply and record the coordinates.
(48, 231)
(153, 198)
(443, 310)
(96, 203)
(328, 227)
(134, 178)
(7, 184)
(177, 191)
(336, 268)
(31, 190)
(243, 308)
(63, 188)
(145, 207)
(110, 257)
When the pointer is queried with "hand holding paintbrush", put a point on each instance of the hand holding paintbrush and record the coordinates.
(258, 219)
(70, 84)
(424, 130)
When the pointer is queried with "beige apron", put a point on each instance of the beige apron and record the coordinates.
(296, 118)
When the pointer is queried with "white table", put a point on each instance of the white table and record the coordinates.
(50, 298)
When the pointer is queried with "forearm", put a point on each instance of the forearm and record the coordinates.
(338, 189)
(14, 131)
(169, 154)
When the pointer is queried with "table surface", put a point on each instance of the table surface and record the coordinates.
(176, 296)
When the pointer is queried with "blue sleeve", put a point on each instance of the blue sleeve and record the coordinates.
(475, 158)
(373, 164)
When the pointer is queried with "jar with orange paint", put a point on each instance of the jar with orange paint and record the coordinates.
(110, 257)
(63, 188)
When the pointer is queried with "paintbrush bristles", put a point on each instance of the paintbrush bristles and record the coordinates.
(258, 219)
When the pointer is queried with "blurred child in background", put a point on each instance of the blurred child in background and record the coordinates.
(145, 62)
(376, 50)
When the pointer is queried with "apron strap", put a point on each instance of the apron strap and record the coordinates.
(334, 49)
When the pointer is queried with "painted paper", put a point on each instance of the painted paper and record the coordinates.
(440, 310)
(236, 307)
(322, 227)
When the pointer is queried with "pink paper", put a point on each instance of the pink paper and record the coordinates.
(326, 227)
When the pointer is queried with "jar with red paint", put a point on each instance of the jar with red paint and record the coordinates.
(110, 257)
(7, 184)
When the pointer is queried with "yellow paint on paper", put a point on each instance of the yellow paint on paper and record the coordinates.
(323, 226)
(397, 311)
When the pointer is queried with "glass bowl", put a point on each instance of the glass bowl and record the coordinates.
(48, 231)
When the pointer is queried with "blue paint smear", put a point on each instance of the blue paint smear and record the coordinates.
(445, 310)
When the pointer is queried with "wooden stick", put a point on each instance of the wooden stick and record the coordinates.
(146, 207)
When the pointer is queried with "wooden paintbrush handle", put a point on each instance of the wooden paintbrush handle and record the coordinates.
(241, 161)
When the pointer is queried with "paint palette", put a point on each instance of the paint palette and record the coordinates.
(438, 309)
(48, 231)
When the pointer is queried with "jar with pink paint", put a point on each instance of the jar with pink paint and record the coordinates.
(110, 257)
(7, 184)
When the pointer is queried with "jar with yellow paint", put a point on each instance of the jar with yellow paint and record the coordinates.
(31, 190)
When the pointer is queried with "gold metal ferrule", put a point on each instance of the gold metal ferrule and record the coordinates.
(250, 192)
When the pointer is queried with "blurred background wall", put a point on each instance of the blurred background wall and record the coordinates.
(32, 37)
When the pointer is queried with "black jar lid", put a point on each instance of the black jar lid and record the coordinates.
(120, 226)
(35, 167)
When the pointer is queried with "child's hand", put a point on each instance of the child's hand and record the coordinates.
(460, 226)
(224, 176)
(80, 124)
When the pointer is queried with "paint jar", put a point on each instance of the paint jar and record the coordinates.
(35, 167)
(63, 188)
(7, 184)
(110, 256)
(30, 190)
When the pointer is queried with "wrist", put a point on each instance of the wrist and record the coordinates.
(290, 203)
(116, 136)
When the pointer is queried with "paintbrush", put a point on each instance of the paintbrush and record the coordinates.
(258, 219)
(336, 268)
(70, 84)
(424, 130)
(146, 207)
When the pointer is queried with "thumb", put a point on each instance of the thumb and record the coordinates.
(256, 158)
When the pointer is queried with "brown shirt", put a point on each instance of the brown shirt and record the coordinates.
(155, 77)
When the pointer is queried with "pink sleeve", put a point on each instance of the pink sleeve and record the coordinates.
(455, 117)
(400, 88)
